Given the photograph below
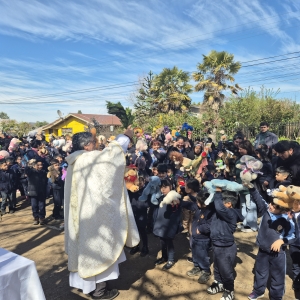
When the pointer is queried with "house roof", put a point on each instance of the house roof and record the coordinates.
(88, 118)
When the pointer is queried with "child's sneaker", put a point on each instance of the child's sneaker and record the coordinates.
(254, 296)
(204, 277)
(227, 295)
(194, 272)
(215, 288)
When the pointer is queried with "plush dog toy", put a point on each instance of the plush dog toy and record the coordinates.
(131, 178)
(153, 189)
(171, 198)
(286, 196)
(3, 154)
(224, 185)
(250, 167)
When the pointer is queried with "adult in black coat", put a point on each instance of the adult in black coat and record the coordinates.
(289, 157)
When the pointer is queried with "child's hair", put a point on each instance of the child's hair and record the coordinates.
(263, 154)
(230, 197)
(155, 164)
(282, 170)
(54, 161)
(211, 168)
(201, 197)
(9, 160)
(170, 167)
(165, 183)
(18, 156)
(281, 209)
(2, 161)
(193, 184)
(162, 168)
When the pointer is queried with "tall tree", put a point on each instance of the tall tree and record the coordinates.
(124, 114)
(144, 105)
(172, 87)
(213, 75)
(3, 115)
(79, 111)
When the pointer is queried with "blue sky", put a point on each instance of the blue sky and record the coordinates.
(76, 54)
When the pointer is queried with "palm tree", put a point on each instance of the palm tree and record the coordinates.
(212, 76)
(172, 88)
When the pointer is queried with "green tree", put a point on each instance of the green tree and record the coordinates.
(213, 75)
(172, 87)
(4, 115)
(144, 105)
(40, 124)
(124, 114)
(79, 111)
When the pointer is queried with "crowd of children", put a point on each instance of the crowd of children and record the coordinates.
(182, 164)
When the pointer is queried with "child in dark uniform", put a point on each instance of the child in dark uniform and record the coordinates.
(139, 209)
(166, 226)
(200, 237)
(276, 230)
(224, 248)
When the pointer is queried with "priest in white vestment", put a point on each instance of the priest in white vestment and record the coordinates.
(98, 217)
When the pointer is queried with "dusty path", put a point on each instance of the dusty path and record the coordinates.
(139, 279)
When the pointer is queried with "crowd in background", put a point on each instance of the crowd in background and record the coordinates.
(183, 163)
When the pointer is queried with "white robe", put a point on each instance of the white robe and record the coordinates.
(98, 215)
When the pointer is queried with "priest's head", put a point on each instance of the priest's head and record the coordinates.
(83, 141)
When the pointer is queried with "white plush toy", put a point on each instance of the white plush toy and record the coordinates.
(171, 198)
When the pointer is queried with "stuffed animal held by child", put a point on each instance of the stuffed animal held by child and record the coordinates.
(172, 198)
(250, 167)
(53, 173)
(153, 189)
(14, 144)
(286, 196)
(224, 185)
(131, 178)
(180, 162)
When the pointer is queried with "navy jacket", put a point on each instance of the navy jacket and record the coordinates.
(297, 231)
(272, 227)
(201, 220)
(5, 182)
(37, 182)
(139, 208)
(223, 223)
(166, 220)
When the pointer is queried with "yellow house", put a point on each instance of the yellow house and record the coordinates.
(74, 123)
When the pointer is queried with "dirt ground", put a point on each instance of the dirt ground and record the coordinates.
(139, 279)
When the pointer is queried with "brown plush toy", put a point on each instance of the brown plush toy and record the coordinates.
(131, 178)
(182, 163)
(286, 196)
(53, 173)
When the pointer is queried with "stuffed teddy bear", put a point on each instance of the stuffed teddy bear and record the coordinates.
(286, 196)
(53, 174)
(180, 162)
(186, 127)
(250, 167)
(171, 198)
(131, 178)
(224, 185)
(153, 189)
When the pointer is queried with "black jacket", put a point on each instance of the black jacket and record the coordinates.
(270, 230)
(201, 219)
(223, 223)
(166, 220)
(6, 181)
(297, 231)
(37, 182)
(139, 208)
(293, 164)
